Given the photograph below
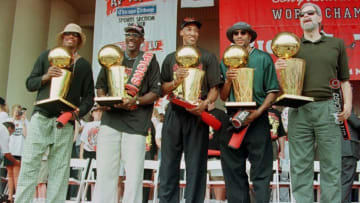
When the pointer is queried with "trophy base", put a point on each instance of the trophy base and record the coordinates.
(240, 104)
(293, 101)
(108, 101)
(56, 105)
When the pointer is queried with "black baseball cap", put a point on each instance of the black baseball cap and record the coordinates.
(190, 20)
(136, 27)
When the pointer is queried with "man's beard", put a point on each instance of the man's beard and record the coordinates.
(309, 26)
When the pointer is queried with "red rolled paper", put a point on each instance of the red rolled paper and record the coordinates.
(205, 116)
(63, 119)
(213, 152)
(237, 138)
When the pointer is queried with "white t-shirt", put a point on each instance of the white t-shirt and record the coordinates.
(4, 139)
(17, 138)
(89, 135)
(78, 141)
(3, 116)
(158, 127)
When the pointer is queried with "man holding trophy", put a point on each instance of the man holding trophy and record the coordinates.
(317, 121)
(125, 124)
(43, 131)
(183, 129)
(256, 144)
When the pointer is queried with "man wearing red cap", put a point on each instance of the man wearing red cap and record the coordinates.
(42, 131)
(183, 130)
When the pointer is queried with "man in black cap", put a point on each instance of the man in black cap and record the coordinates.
(256, 145)
(124, 127)
(183, 130)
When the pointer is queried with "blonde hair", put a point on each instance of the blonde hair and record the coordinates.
(13, 109)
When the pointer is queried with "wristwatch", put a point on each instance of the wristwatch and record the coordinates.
(137, 102)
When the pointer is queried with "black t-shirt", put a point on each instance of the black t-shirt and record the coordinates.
(209, 64)
(136, 121)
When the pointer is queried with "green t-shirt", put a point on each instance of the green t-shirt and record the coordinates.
(325, 59)
(265, 79)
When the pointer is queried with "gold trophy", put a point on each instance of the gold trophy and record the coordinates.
(60, 57)
(190, 89)
(111, 57)
(188, 93)
(236, 57)
(285, 45)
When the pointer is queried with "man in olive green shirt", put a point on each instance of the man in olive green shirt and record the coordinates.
(315, 122)
(256, 146)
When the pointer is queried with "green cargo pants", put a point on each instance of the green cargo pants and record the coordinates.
(42, 133)
(310, 124)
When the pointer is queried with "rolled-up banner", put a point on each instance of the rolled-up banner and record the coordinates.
(205, 116)
(63, 119)
(138, 73)
(335, 85)
(239, 118)
(237, 138)
(214, 152)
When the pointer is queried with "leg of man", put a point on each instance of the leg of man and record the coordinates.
(36, 143)
(259, 146)
(11, 181)
(233, 163)
(328, 138)
(301, 148)
(133, 155)
(196, 141)
(171, 147)
(59, 163)
(108, 151)
(347, 177)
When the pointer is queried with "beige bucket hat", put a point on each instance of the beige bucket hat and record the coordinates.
(72, 27)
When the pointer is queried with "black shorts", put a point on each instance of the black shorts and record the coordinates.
(7, 162)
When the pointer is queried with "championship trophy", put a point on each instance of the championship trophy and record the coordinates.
(190, 89)
(60, 57)
(236, 57)
(188, 93)
(285, 45)
(111, 57)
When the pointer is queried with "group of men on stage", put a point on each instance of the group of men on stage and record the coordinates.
(124, 126)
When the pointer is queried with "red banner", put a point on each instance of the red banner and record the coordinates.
(269, 17)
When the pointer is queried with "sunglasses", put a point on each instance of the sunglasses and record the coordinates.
(239, 32)
(132, 34)
(74, 34)
(310, 13)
